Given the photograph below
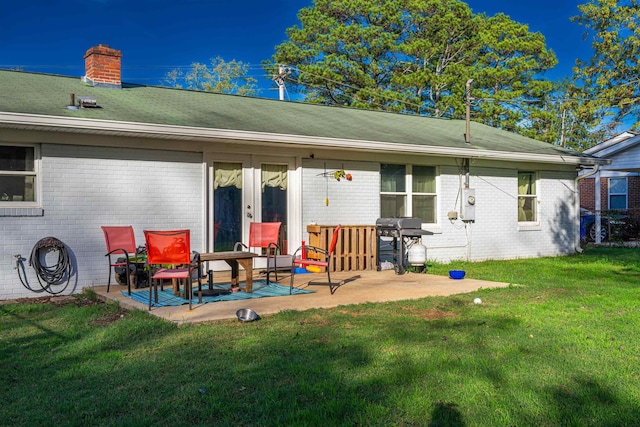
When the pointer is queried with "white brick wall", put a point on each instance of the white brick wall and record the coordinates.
(494, 235)
(86, 187)
(352, 202)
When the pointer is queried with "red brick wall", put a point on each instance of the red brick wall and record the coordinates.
(587, 193)
(102, 64)
(604, 193)
(634, 192)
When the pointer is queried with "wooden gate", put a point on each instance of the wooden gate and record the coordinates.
(356, 247)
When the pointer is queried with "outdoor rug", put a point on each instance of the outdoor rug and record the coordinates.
(166, 297)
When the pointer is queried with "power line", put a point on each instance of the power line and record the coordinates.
(249, 66)
(380, 95)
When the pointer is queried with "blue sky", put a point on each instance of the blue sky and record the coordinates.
(156, 36)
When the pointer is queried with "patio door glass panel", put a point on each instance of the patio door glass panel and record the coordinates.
(227, 205)
(274, 183)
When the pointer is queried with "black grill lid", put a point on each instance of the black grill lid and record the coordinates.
(399, 223)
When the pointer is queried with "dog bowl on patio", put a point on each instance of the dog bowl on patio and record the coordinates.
(456, 274)
(246, 315)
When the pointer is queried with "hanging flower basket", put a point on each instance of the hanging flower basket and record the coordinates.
(338, 175)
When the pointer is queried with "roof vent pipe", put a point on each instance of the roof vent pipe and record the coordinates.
(72, 102)
(467, 135)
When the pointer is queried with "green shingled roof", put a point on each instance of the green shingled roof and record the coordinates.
(49, 95)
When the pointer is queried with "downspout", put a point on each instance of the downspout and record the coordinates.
(576, 184)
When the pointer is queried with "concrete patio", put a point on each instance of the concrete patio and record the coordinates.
(360, 287)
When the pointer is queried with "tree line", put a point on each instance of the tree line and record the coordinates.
(414, 57)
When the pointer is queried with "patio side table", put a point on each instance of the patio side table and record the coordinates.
(235, 259)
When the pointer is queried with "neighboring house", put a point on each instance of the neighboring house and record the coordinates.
(159, 158)
(620, 180)
(616, 186)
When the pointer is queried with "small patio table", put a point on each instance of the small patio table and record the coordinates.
(235, 259)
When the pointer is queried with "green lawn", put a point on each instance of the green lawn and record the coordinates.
(558, 348)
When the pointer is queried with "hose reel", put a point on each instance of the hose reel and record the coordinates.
(48, 275)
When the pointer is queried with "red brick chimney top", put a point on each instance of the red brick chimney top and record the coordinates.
(102, 66)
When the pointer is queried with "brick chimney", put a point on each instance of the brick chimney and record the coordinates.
(102, 67)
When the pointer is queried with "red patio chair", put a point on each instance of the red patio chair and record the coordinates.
(171, 247)
(120, 240)
(310, 258)
(265, 235)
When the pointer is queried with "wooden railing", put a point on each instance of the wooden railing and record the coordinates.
(356, 248)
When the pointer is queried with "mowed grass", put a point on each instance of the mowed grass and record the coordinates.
(559, 347)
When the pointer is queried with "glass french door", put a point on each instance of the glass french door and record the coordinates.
(274, 198)
(228, 203)
(246, 190)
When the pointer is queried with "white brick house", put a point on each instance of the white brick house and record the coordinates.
(158, 158)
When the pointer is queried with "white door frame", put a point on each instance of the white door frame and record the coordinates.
(252, 196)
(292, 201)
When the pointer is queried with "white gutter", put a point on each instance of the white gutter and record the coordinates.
(108, 127)
(576, 184)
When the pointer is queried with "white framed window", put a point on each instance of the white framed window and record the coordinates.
(527, 197)
(18, 175)
(618, 190)
(408, 190)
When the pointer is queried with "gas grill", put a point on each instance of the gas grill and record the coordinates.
(394, 236)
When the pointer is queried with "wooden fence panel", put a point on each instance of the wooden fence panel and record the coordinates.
(356, 248)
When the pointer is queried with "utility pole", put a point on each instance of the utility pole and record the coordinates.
(279, 79)
(564, 113)
(467, 135)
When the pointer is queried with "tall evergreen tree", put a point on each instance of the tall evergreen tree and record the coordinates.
(415, 56)
(610, 79)
(509, 61)
(438, 43)
(564, 119)
(343, 52)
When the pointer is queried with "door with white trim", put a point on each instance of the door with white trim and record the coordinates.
(245, 189)
(230, 193)
(273, 200)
